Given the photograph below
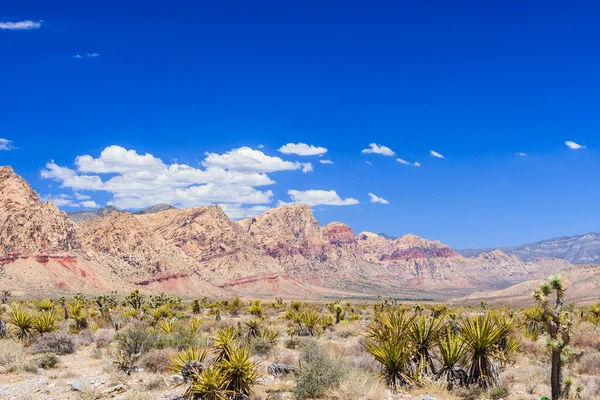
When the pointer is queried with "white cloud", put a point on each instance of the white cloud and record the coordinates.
(326, 161)
(521, 154)
(65, 200)
(573, 145)
(260, 146)
(92, 55)
(79, 196)
(376, 199)
(77, 56)
(369, 163)
(116, 159)
(302, 149)
(246, 159)
(21, 25)
(402, 161)
(374, 148)
(139, 180)
(417, 164)
(436, 154)
(6, 144)
(320, 197)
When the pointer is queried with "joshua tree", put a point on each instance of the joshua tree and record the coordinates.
(135, 299)
(557, 324)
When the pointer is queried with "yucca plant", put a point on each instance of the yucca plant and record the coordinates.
(312, 320)
(194, 325)
(188, 363)
(594, 314)
(387, 341)
(270, 334)
(424, 334)
(256, 309)
(45, 305)
(253, 326)
(241, 373)
(452, 350)
(224, 342)
(210, 384)
(482, 336)
(166, 326)
(339, 312)
(21, 320)
(45, 322)
(79, 314)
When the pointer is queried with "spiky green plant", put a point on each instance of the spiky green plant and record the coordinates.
(270, 334)
(253, 326)
(424, 333)
(224, 342)
(482, 336)
(388, 342)
(45, 322)
(256, 309)
(195, 324)
(78, 313)
(185, 356)
(452, 350)
(312, 321)
(45, 305)
(210, 384)
(241, 373)
(339, 313)
(166, 326)
(21, 320)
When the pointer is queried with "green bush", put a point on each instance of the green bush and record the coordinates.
(259, 346)
(318, 373)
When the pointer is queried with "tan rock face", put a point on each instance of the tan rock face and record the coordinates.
(200, 250)
(28, 225)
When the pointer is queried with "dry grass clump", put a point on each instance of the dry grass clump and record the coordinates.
(156, 360)
(588, 364)
(60, 343)
(359, 384)
(10, 353)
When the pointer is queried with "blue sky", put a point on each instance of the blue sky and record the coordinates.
(212, 90)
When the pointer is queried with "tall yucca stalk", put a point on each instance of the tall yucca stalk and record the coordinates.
(241, 373)
(424, 333)
(482, 336)
(21, 320)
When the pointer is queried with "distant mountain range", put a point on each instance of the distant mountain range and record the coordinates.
(82, 216)
(202, 252)
(579, 249)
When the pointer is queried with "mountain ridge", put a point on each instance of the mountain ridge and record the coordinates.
(201, 250)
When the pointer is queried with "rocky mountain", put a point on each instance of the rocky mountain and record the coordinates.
(82, 216)
(580, 249)
(154, 209)
(201, 251)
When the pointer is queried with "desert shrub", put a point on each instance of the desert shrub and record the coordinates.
(589, 364)
(359, 385)
(131, 345)
(58, 343)
(181, 337)
(259, 346)
(85, 337)
(256, 309)
(586, 340)
(46, 361)
(104, 337)
(319, 372)
(154, 384)
(156, 360)
(30, 368)
(10, 352)
(470, 393)
(498, 392)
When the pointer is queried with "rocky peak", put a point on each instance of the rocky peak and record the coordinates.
(28, 225)
(155, 209)
(338, 233)
(82, 216)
